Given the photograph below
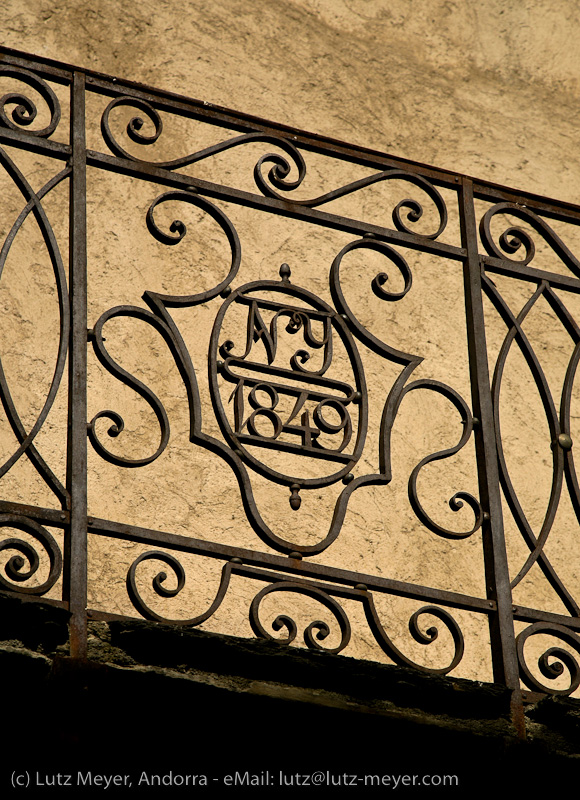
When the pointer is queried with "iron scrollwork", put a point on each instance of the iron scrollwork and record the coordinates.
(258, 422)
(160, 319)
(15, 568)
(422, 637)
(312, 391)
(316, 632)
(327, 417)
(550, 669)
(289, 379)
(279, 172)
(26, 438)
(514, 238)
(319, 424)
(558, 424)
(400, 389)
(456, 502)
(25, 111)
(413, 208)
(161, 590)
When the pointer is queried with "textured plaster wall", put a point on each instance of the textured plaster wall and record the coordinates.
(484, 88)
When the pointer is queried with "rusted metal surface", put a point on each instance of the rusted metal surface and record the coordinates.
(324, 408)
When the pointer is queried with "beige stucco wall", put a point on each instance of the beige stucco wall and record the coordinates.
(483, 88)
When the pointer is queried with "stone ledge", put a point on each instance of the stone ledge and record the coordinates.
(163, 693)
(32, 624)
(191, 650)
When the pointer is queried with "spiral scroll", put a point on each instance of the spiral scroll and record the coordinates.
(280, 169)
(146, 393)
(278, 173)
(413, 208)
(15, 567)
(422, 637)
(160, 319)
(25, 112)
(162, 591)
(514, 238)
(177, 231)
(550, 670)
(456, 502)
(377, 285)
(284, 621)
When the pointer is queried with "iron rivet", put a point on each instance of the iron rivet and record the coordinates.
(515, 609)
(235, 560)
(362, 587)
(475, 422)
(490, 604)
(357, 397)
(296, 555)
(89, 79)
(63, 516)
(226, 292)
(219, 365)
(369, 236)
(456, 179)
(348, 478)
(565, 441)
(485, 515)
(344, 317)
(90, 520)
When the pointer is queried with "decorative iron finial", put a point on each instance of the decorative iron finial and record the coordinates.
(285, 273)
(295, 499)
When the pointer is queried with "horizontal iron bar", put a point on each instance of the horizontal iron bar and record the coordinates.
(298, 449)
(524, 614)
(267, 576)
(30, 598)
(525, 273)
(47, 516)
(36, 144)
(62, 72)
(101, 527)
(555, 209)
(285, 208)
(294, 566)
(46, 67)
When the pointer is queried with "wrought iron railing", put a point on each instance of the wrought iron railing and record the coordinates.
(304, 419)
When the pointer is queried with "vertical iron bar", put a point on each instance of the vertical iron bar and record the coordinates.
(75, 574)
(501, 623)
